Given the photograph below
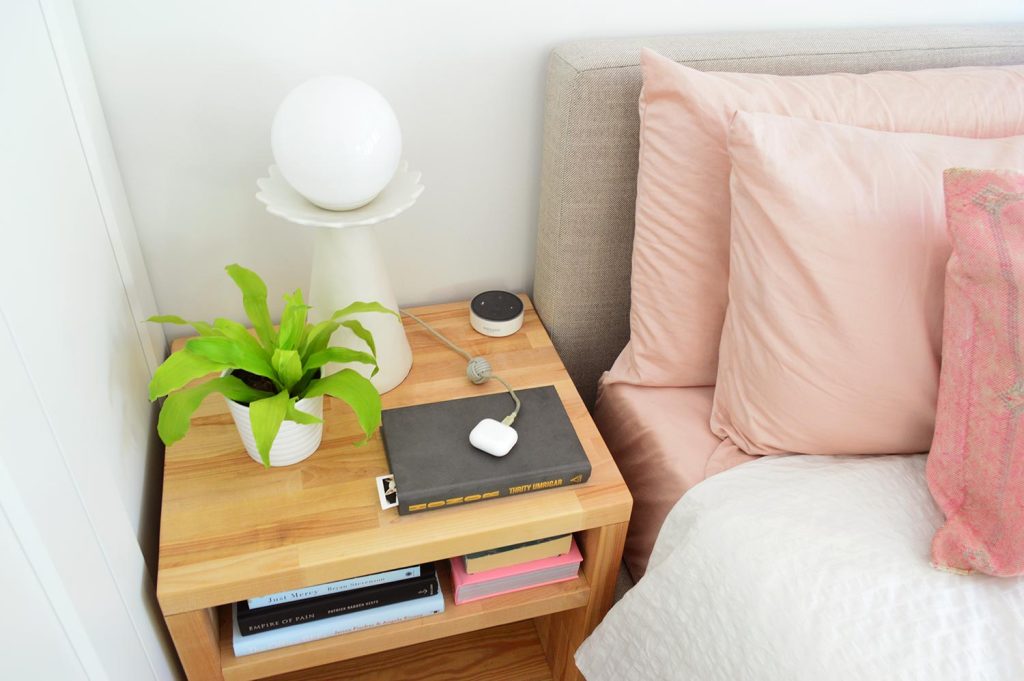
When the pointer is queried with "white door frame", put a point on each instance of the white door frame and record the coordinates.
(80, 86)
(78, 539)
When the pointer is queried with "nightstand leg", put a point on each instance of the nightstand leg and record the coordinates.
(562, 633)
(195, 638)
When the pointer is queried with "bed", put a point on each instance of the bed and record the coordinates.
(740, 581)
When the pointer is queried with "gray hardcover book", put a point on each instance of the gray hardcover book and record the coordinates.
(435, 466)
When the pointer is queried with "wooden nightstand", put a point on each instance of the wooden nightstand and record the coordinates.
(231, 530)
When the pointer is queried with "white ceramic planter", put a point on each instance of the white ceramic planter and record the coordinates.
(294, 442)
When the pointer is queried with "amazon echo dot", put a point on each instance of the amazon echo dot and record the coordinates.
(496, 313)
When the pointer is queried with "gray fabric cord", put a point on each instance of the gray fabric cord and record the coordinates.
(478, 369)
(590, 145)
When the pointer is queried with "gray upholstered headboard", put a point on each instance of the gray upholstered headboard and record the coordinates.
(591, 126)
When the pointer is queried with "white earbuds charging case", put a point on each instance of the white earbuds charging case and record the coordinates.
(493, 437)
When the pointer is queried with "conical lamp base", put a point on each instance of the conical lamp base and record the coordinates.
(347, 267)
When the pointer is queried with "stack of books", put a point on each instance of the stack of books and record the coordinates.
(293, 617)
(514, 568)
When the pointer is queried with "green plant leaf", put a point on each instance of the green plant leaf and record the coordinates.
(356, 391)
(266, 416)
(232, 353)
(293, 321)
(304, 336)
(340, 355)
(176, 414)
(254, 299)
(318, 338)
(202, 328)
(358, 307)
(362, 333)
(288, 366)
(237, 332)
(298, 416)
(178, 370)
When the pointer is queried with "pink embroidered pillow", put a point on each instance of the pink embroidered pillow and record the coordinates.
(681, 245)
(976, 465)
(832, 338)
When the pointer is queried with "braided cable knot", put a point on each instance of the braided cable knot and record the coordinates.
(478, 370)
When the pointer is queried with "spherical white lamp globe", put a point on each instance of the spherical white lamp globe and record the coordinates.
(336, 141)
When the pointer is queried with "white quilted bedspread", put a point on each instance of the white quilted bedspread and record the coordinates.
(808, 568)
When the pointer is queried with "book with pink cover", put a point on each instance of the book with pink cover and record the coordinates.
(505, 580)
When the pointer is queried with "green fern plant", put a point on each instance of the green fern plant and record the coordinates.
(270, 371)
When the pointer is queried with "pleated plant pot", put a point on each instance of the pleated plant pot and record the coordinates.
(295, 442)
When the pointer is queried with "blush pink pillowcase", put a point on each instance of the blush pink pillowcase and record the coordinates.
(681, 243)
(833, 334)
(976, 465)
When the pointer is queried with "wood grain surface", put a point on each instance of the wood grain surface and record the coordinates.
(507, 653)
(231, 530)
(456, 619)
(195, 636)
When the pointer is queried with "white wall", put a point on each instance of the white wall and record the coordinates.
(79, 465)
(190, 87)
(43, 650)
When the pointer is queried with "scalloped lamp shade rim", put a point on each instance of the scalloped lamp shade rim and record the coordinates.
(282, 200)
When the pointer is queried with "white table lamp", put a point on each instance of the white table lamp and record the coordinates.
(339, 140)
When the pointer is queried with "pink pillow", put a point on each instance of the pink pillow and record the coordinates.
(976, 466)
(838, 255)
(681, 245)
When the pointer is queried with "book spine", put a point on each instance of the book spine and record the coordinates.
(335, 587)
(462, 595)
(514, 547)
(314, 631)
(517, 556)
(446, 498)
(260, 620)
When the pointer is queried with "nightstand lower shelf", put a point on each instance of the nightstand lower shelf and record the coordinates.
(456, 619)
(509, 652)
